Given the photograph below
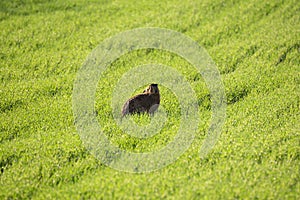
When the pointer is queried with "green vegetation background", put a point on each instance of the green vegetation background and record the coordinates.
(256, 46)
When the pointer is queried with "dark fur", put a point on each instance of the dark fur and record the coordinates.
(147, 102)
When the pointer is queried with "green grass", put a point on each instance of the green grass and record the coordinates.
(256, 46)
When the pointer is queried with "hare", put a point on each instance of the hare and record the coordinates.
(147, 102)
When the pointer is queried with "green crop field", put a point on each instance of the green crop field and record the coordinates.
(255, 46)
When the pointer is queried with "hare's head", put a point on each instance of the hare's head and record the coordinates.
(152, 89)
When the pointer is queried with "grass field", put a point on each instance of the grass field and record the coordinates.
(256, 47)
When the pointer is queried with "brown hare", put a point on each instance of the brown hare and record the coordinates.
(147, 102)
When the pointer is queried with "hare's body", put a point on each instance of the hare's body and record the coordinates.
(147, 102)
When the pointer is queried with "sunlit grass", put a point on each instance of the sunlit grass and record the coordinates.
(256, 47)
